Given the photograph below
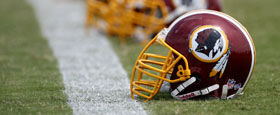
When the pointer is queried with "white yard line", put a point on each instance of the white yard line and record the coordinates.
(94, 79)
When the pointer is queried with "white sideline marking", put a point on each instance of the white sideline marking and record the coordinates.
(94, 79)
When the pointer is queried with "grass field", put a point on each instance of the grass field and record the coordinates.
(262, 19)
(30, 81)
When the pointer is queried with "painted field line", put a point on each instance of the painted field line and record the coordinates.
(94, 79)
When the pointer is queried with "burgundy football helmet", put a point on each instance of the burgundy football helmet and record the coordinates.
(214, 5)
(210, 54)
(178, 7)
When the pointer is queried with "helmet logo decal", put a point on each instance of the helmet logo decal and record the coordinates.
(233, 85)
(208, 43)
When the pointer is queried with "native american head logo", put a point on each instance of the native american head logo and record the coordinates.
(207, 40)
(208, 43)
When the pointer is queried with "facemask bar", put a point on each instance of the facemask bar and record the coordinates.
(145, 66)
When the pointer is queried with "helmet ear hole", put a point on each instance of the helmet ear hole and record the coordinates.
(197, 76)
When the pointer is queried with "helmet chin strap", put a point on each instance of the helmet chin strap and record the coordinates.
(187, 83)
(205, 91)
(225, 91)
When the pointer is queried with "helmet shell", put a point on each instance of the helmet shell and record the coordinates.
(241, 60)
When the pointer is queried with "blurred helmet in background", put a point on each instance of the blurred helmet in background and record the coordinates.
(140, 19)
(214, 5)
(178, 7)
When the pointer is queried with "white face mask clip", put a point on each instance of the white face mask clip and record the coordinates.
(162, 34)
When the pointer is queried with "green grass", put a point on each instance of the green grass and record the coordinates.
(30, 82)
(262, 19)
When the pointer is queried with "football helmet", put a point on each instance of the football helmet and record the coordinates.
(179, 7)
(116, 17)
(144, 13)
(97, 10)
(108, 16)
(214, 5)
(209, 54)
(147, 17)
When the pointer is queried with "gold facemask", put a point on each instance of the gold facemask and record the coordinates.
(150, 69)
